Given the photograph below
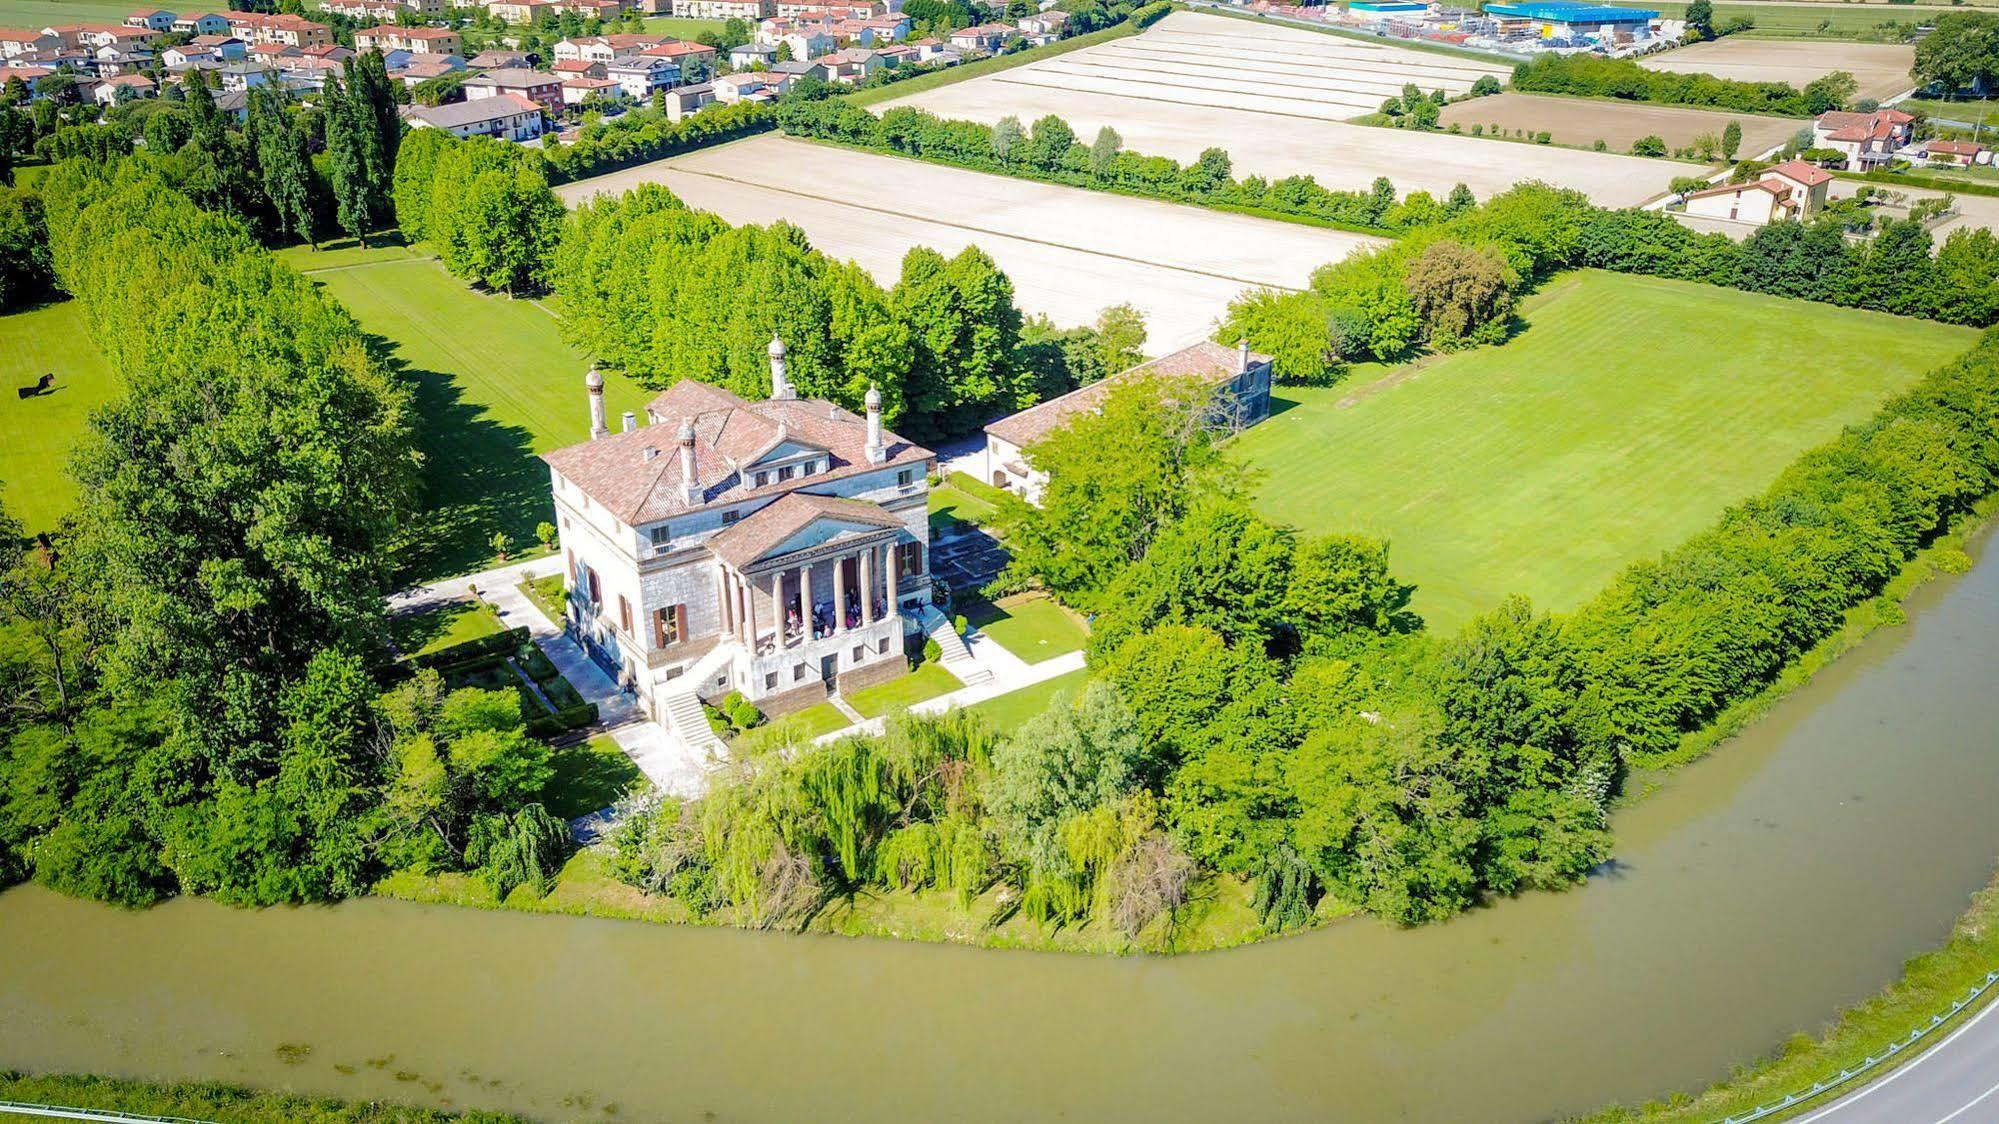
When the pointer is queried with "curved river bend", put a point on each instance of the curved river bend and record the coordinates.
(1755, 893)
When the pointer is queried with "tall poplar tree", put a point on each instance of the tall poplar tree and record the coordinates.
(347, 163)
(285, 162)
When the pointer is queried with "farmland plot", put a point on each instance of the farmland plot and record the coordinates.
(1582, 121)
(1070, 252)
(1882, 69)
(1276, 99)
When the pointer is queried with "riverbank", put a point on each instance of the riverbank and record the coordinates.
(234, 1104)
(1929, 984)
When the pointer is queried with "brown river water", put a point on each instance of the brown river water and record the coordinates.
(1754, 894)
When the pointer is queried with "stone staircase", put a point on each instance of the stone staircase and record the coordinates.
(956, 658)
(683, 717)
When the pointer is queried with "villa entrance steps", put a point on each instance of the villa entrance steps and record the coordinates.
(956, 658)
(681, 713)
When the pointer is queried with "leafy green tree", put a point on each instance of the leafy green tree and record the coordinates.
(284, 160)
(1340, 584)
(25, 273)
(347, 158)
(1464, 296)
(1960, 52)
(1119, 341)
(1830, 92)
(1007, 134)
(1050, 142)
(965, 326)
(1292, 328)
(1104, 152)
(1220, 566)
(1699, 17)
(1731, 140)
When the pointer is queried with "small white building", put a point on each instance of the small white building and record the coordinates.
(1791, 190)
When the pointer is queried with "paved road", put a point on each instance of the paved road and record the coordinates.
(1954, 1082)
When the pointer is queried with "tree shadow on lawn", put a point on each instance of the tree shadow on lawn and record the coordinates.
(479, 477)
(586, 781)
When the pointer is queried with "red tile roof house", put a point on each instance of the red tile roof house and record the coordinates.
(540, 87)
(1791, 190)
(1239, 378)
(1867, 139)
(155, 19)
(776, 548)
(984, 37)
(16, 41)
(1956, 153)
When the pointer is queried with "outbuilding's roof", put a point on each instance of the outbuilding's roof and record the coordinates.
(1207, 361)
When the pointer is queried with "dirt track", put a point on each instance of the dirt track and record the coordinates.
(1070, 252)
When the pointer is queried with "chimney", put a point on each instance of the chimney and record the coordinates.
(780, 386)
(594, 383)
(651, 454)
(1242, 356)
(631, 421)
(687, 478)
(876, 454)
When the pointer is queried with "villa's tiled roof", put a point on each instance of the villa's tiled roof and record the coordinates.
(729, 433)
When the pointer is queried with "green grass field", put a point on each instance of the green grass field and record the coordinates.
(926, 682)
(1804, 21)
(43, 13)
(683, 28)
(1030, 625)
(36, 433)
(495, 385)
(1972, 111)
(1628, 414)
(589, 776)
(1009, 712)
(420, 634)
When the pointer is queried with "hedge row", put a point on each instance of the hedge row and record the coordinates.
(568, 718)
(644, 135)
(471, 651)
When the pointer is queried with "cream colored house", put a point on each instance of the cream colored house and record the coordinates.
(1791, 190)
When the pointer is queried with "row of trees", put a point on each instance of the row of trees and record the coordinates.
(192, 708)
(484, 205)
(666, 292)
(639, 135)
(1593, 76)
(1052, 151)
(1455, 284)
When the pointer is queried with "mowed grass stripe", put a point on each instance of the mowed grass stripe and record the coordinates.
(36, 433)
(1627, 415)
(495, 385)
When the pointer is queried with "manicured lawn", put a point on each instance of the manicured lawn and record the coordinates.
(959, 501)
(822, 719)
(420, 634)
(926, 682)
(1627, 415)
(589, 776)
(1032, 626)
(495, 385)
(684, 28)
(37, 14)
(36, 433)
(549, 595)
(1009, 712)
(1984, 111)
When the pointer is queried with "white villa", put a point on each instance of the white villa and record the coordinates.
(775, 548)
(1239, 376)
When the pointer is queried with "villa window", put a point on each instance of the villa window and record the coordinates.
(905, 478)
(797, 672)
(883, 649)
(911, 558)
(860, 653)
(661, 535)
(770, 681)
(624, 615)
(669, 626)
(596, 594)
(763, 478)
(729, 518)
(784, 473)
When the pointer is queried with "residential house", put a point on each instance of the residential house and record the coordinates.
(640, 75)
(423, 68)
(187, 55)
(498, 60)
(1049, 24)
(604, 48)
(519, 11)
(538, 86)
(790, 72)
(29, 75)
(929, 50)
(274, 53)
(851, 66)
(985, 37)
(152, 19)
(825, 10)
(747, 55)
(775, 548)
(893, 28)
(805, 42)
(751, 10)
(282, 28)
(1868, 140)
(899, 55)
(693, 58)
(15, 42)
(123, 88)
(1791, 190)
(581, 88)
(98, 36)
(567, 69)
(1238, 378)
(591, 9)
(246, 76)
(415, 40)
(685, 101)
(506, 115)
(201, 23)
(227, 47)
(749, 86)
(1957, 153)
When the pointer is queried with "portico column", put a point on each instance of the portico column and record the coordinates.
(868, 586)
(725, 613)
(742, 606)
(750, 595)
(805, 601)
(839, 595)
(889, 553)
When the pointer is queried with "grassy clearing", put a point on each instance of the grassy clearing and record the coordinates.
(680, 27)
(926, 682)
(549, 594)
(1009, 712)
(816, 720)
(1983, 111)
(968, 70)
(420, 634)
(38, 14)
(589, 776)
(213, 1100)
(495, 385)
(1620, 422)
(959, 502)
(36, 433)
(1032, 626)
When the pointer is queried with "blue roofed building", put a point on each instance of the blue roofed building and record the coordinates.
(1563, 19)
